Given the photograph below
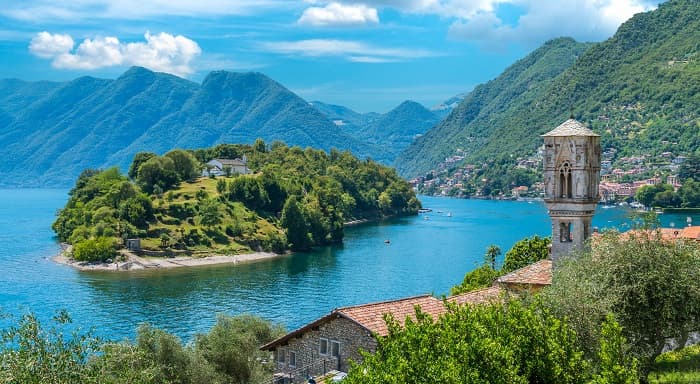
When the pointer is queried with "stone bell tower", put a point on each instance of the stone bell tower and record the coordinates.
(571, 178)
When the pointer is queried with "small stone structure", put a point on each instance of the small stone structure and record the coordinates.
(133, 244)
(571, 178)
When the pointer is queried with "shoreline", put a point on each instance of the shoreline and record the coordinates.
(133, 262)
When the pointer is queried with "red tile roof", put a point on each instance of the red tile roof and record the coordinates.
(480, 296)
(539, 273)
(371, 316)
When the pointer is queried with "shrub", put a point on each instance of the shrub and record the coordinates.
(94, 249)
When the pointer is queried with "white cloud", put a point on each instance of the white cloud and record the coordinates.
(585, 20)
(336, 14)
(478, 20)
(350, 50)
(46, 45)
(162, 52)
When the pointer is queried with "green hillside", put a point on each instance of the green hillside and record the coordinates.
(295, 199)
(639, 89)
(52, 131)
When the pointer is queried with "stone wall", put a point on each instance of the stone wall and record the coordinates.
(351, 336)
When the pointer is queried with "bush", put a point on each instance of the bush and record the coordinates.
(94, 249)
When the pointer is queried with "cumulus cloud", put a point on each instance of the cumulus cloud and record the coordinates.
(350, 50)
(479, 20)
(587, 20)
(162, 52)
(336, 14)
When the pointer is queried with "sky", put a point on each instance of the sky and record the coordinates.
(367, 55)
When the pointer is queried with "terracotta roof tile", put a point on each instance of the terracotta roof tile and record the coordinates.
(539, 273)
(481, 296)
(371, 316)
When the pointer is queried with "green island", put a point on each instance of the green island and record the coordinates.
(277, 199)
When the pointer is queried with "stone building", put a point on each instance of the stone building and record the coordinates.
(331, 342)
(571, 178)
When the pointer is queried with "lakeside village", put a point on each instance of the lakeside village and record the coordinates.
(617, 185)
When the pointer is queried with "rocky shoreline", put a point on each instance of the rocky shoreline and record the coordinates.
(132, 262)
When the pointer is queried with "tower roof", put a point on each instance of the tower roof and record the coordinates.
(571, 127)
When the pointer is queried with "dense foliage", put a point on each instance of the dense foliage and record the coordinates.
(664, 195)
(296, 199)
(523, 253)
(33, 354)
(497, 343)
(637, 89)
(651, 285)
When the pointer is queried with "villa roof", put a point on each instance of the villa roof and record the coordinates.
(235, 161)
(571, 127)
(539, 273)
(371, 316)
(480, 296)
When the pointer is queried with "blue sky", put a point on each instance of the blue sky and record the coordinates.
(367, 55)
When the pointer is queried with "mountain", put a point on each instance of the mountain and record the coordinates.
(473, 124)
(639, 90)
(443, 109)
(391, 132)
(52, 131)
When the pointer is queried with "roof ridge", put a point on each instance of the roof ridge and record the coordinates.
(385, 302)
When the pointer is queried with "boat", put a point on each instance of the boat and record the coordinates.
(424, 210)
(426, 218)
(449, 214)
(387, 241)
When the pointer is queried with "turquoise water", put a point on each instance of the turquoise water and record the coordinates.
(424, 256)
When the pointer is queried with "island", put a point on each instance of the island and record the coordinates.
(226, 204)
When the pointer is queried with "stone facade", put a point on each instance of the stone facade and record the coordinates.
(350, 336)
(571, 179)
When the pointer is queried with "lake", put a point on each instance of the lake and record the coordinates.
(423, 256)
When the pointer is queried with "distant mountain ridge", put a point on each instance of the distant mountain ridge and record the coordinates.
(52, 131)
(639, 89)
(392, 131)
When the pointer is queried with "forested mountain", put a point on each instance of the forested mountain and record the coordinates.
(639, 90)
(473, 124)
(391, 132)
(52, 131)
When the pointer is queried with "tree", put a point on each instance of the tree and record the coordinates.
(690, 194)
(94, 249)
(139, 158)
(617, 366)
(185, 165)
(294, 223)
(209, 214)
(498, 343)
(33, 354)
(259, 146)
(526, 252)
(157, 172)
(652, 286)
(481, 277)
(492, 252)
(690, 169)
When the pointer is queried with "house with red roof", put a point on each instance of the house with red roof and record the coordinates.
(331, 342)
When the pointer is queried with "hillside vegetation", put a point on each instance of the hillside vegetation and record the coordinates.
(295, 199)
(639, 90)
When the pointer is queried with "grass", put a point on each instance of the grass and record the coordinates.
(177, 213)
(677, 367)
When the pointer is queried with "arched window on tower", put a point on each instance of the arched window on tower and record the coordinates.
(565, 235)
(565, 183)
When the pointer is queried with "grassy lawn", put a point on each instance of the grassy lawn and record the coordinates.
(677, 367)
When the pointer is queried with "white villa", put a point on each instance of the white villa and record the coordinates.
(222, 167)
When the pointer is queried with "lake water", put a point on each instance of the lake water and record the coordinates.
(424, 256)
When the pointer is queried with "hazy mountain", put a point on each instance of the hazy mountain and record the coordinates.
(443, 109)
(390, 132)
(639, 89)
(52, 131)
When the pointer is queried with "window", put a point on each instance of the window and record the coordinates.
(335, 349)
(323, 347)
(565, 234)
(281, 354)
(292, 359)
(565, 182)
